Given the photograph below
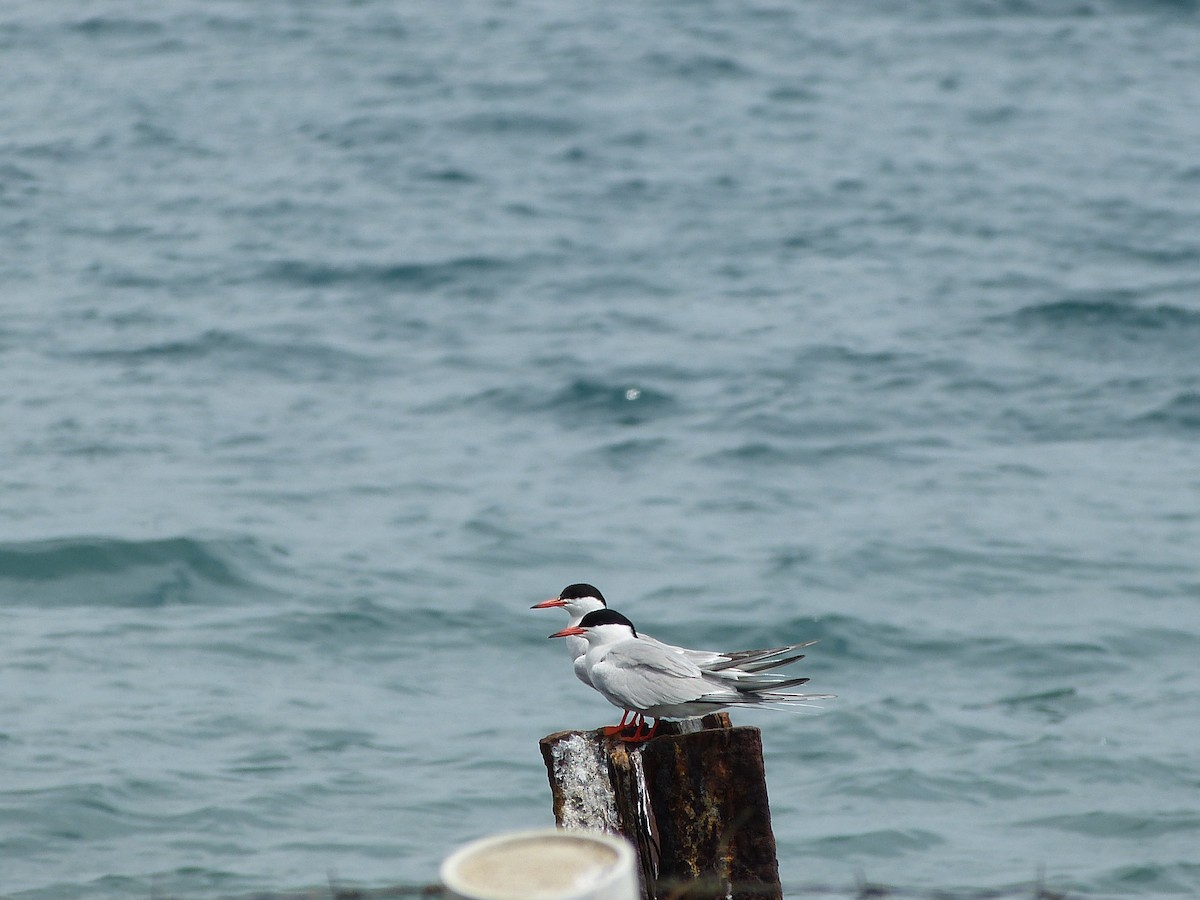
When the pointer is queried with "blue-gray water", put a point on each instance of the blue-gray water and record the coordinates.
(334, 335)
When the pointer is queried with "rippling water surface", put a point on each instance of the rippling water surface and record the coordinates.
(335, 335)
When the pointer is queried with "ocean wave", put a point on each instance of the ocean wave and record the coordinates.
(298, 359)
(361, 623)
(882, 843)
(1179, 414)
(101, 571)
(1108, 824)
(761, 453)
(863, 642)
(1150, 878)
(583, 402)
(1036, 762)
(1048, 9)
(912, 784)
(697, 67)
(599, 402)
(632, 454)
(1109, 314)
(415, 277)
(111, 26)
(524, 124)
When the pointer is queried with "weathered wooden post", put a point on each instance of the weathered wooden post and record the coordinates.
(694, 804)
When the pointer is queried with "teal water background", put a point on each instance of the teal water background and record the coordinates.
(334, 335)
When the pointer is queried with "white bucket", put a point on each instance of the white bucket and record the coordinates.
(546, 864)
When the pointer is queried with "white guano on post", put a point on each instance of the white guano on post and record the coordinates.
(581, 768)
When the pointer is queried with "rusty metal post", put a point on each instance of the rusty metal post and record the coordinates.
(694, 805)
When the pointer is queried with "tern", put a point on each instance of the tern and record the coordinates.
(649, 679)
(743, 667)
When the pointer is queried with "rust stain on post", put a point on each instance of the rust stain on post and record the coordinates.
(712, 788)
(694, 805)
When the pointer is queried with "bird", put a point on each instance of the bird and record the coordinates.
(648, 679)
(745, 667)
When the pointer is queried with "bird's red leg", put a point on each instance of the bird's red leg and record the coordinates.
(610, 730)
(638, 737)
(633, 722)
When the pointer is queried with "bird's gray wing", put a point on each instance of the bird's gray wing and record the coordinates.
(643, 675)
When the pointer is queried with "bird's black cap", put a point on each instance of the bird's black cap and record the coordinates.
(575, 591)
(606, 617)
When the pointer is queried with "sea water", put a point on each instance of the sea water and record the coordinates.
(335, 335)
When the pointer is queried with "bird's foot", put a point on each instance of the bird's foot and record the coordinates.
(641, 734)
(613, 730)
